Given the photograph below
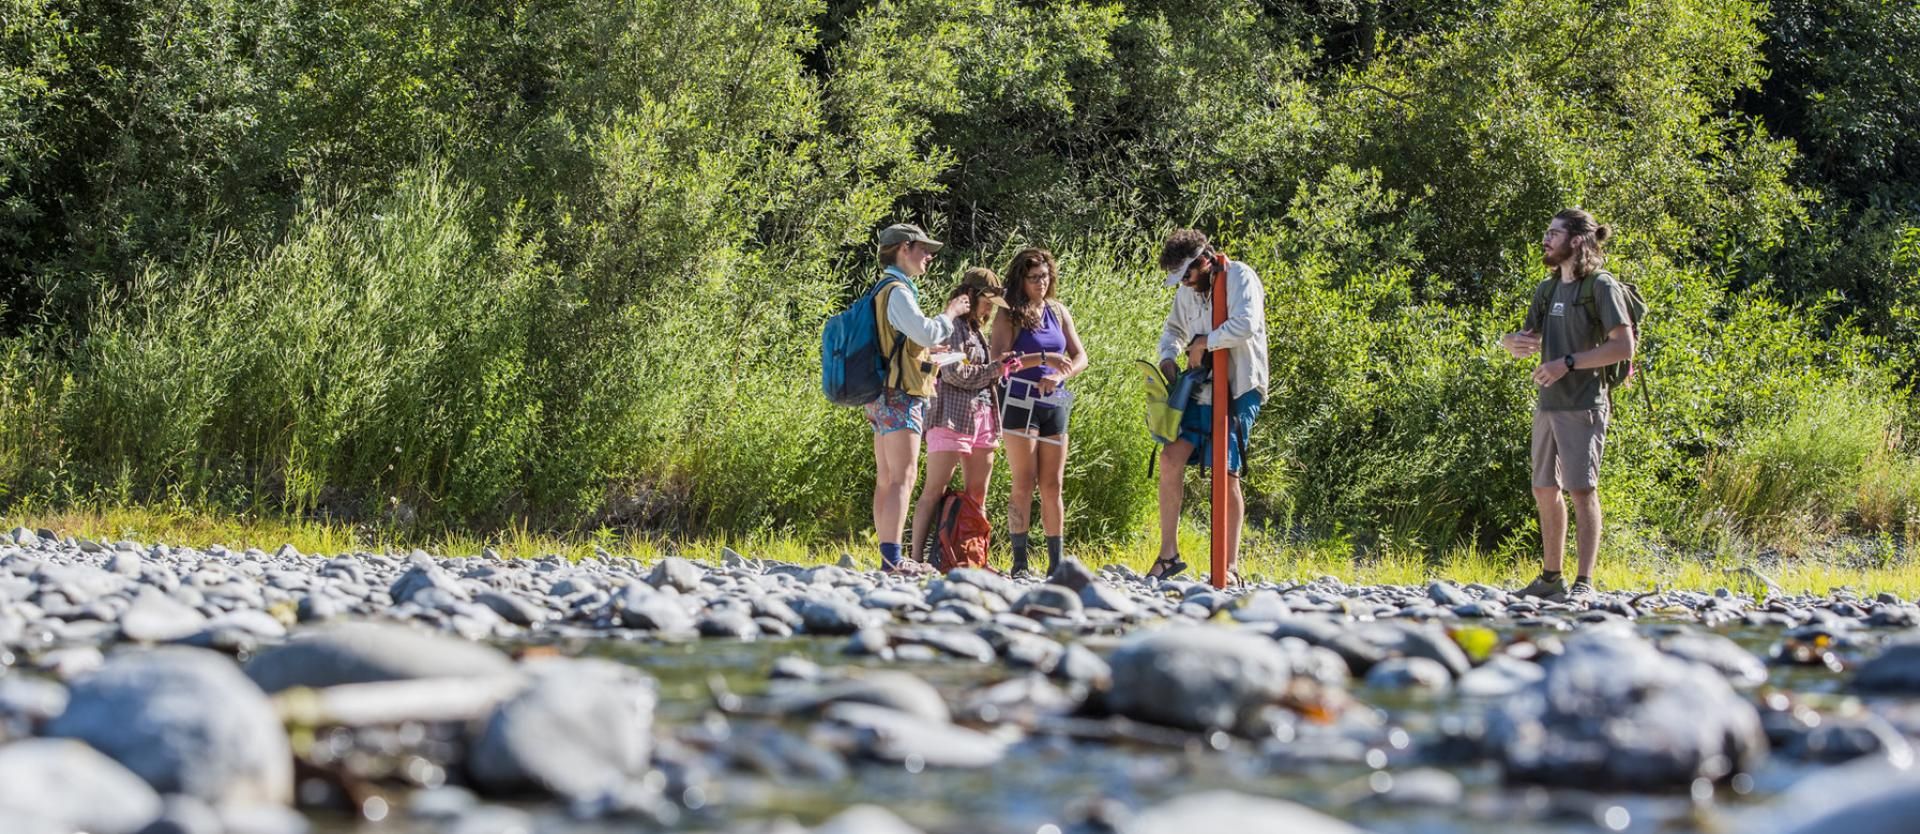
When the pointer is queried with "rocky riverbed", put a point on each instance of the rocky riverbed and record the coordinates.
(148, 688)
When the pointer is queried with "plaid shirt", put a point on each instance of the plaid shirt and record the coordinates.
(962, 387)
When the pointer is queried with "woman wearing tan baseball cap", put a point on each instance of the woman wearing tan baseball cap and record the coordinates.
(898, 416)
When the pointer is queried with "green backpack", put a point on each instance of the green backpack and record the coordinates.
(1163, 412)
(1617, 373)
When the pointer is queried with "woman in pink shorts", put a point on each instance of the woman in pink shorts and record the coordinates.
(963, 427)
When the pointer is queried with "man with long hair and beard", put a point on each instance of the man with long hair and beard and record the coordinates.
(1578, 324)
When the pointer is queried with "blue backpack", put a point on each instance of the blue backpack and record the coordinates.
(852, 369)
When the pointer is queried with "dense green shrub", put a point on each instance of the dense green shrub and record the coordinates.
(565, 263)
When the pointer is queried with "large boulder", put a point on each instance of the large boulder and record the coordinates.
(581, 729)
(371, 652)
(1614, 712)
(186, 721)
(1198, 678)
(72, 787)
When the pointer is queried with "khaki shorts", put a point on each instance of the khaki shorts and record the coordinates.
(1567, 447)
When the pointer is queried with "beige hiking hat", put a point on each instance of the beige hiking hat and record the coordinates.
(905, 233)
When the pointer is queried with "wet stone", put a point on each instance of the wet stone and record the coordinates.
(1416, 673)
(893, 736)
(186, 721)
(676, 573)
(1614, 712)
(1197, 678)
(829, 616)
(1049, 601)
(1895, 670)
(369, 652)
(72, 787)
(581, 728)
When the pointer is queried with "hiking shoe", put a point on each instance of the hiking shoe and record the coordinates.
(1582, 591)
(1553, 590)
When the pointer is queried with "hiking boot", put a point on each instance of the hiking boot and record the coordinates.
(1582, 591)
(1553, 590)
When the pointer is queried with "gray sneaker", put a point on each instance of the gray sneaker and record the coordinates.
(1582, 591)
(1553, 590)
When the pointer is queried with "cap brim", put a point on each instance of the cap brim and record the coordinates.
(1179, 273)
(994, 301)
(932, 245)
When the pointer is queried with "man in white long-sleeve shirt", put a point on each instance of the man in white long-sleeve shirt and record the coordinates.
(1241, 342)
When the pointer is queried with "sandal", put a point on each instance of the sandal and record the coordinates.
(1166, 567)
(1233, 579)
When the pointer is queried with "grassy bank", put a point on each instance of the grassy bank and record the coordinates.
(1864, 565)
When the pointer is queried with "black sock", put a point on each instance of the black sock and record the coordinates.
(1550, 575)
(1586, 579)
(1053, 554)
(1019, 552)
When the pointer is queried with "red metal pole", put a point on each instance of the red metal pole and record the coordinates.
(1222, 406)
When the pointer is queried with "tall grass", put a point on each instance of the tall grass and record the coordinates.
(1831, 459)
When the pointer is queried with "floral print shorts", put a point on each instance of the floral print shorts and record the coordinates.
(897, 411)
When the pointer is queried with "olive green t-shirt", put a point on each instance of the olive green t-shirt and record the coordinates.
(1566, 326)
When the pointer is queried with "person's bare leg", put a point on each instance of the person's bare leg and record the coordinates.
(976, 470)
(1173, 492)
(881, 497)
(1586, 539)
(1021, 467)
(1053, 471)
(940, 466)
(1553, 526)
(899, 459)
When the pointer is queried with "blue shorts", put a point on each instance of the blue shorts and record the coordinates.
(1196, 427)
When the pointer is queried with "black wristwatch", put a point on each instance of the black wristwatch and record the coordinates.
(1569, 361)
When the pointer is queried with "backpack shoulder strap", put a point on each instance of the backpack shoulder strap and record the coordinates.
(889, 281)
(1542, 296)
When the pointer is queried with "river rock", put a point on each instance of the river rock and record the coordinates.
(676, 573)
(186, 815)
(897, 691)
(370, 652)
(1410, 673)
(1049, 601)
(72, 786)
(889, 735)
(642, 607)
(580, 729)
(1235, 812)
(1895, 670)
(1197, 678)
(1500, 676)
(422, 577)
(155, 617)
(1071, 574)
(823, 615)
(1613, 712)
(866, 819)
(27, 703)
(185, 720)
(1739, 666)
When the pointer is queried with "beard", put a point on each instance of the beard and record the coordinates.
(1553, 258)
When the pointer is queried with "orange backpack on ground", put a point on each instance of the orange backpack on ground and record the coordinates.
(961, 534)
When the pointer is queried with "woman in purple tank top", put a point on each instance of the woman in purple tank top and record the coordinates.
(1039, 330)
